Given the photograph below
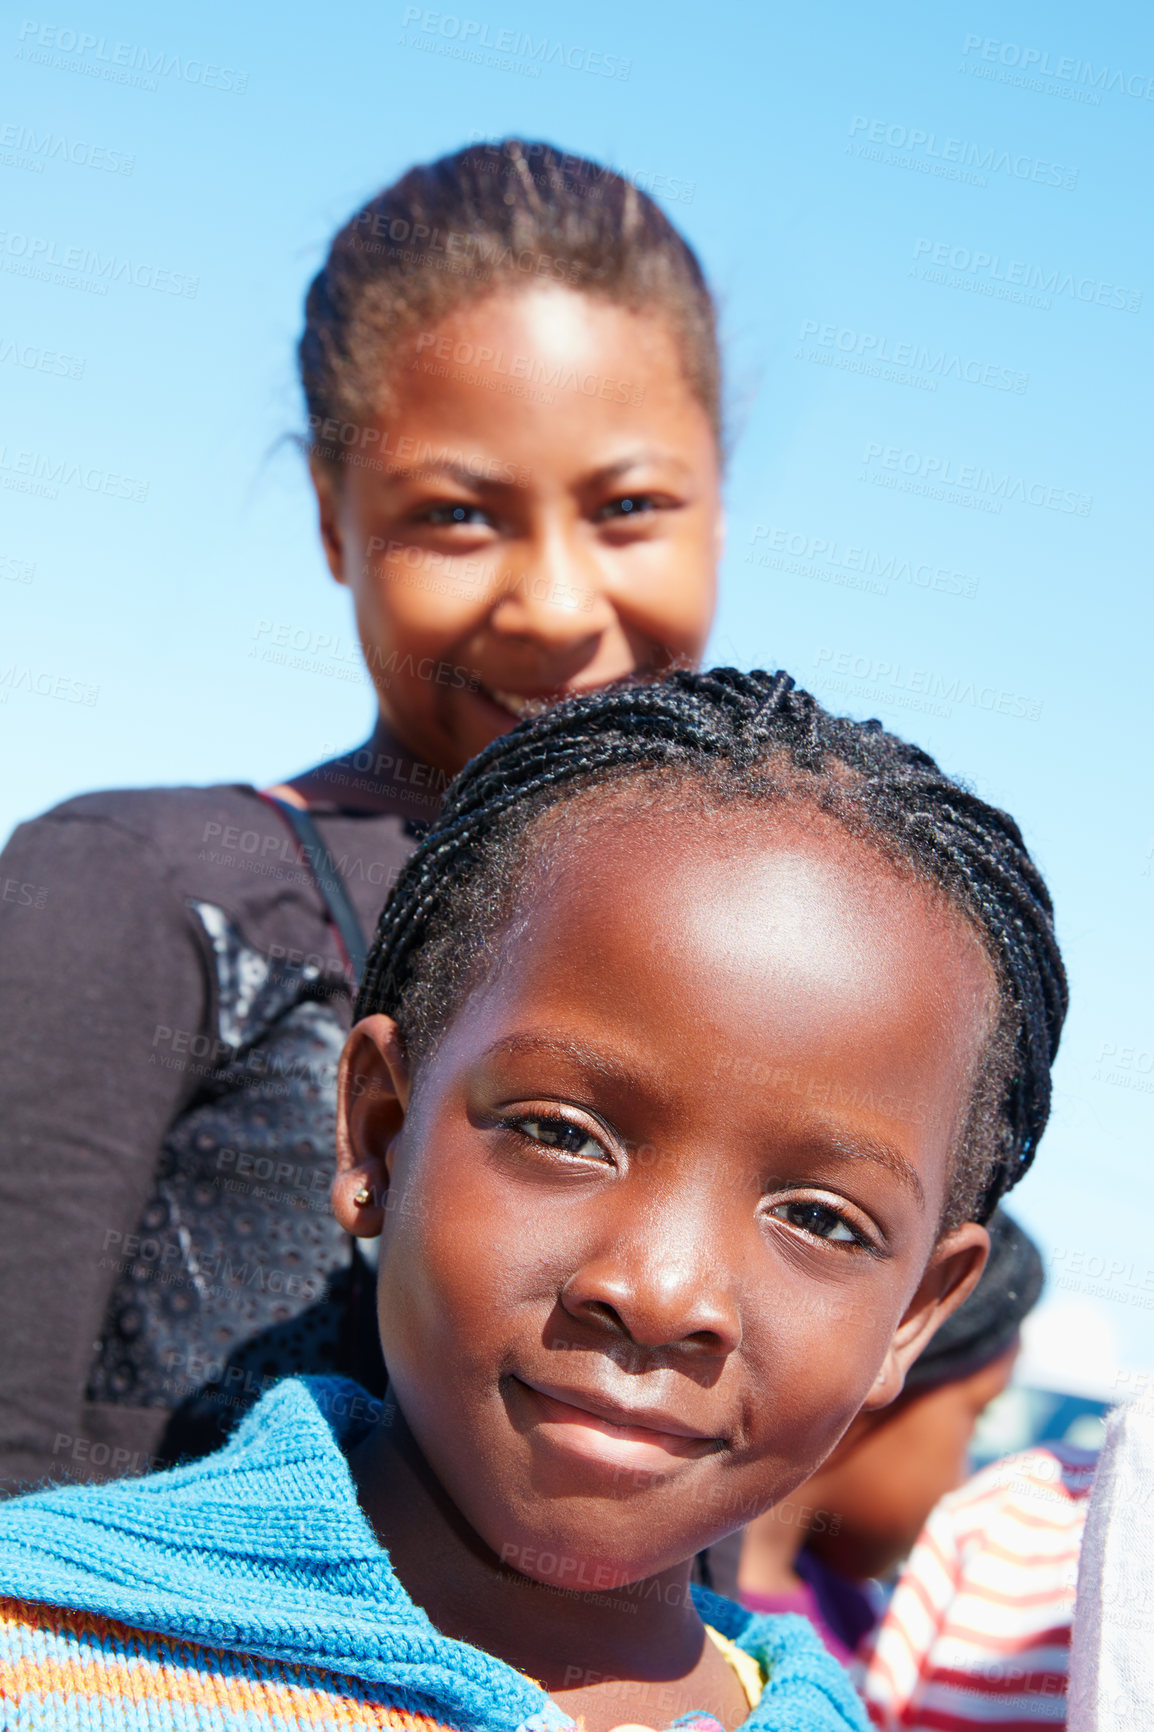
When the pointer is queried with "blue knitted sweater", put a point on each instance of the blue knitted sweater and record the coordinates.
(262, 1551)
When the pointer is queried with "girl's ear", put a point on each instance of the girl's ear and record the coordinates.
(372, 1098)
(329, 517)
(951, 1275)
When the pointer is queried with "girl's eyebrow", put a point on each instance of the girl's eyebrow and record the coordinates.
(634, 460)
(860, 1147)
(445, 470)
(468, 480)
(575, 1051)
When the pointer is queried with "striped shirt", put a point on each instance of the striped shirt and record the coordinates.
(76, 1672)
(977, 1634)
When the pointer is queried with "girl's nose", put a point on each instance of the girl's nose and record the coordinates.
(555, 596)
(662, 1297)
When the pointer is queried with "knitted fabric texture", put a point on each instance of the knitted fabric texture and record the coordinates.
(248, 1590)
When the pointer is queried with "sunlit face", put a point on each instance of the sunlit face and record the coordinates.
(662, 1210)
(536, 513)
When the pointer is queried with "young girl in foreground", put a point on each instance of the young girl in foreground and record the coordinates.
(698, 1037)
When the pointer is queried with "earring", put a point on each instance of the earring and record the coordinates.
(363, 1197)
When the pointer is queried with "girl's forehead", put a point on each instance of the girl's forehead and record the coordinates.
(788, 883)
(562, 343)
(779, 930)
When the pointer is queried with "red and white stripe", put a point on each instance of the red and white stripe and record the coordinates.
(977, 1635)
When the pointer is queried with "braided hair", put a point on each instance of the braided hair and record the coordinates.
(451, 232)
(756, 738)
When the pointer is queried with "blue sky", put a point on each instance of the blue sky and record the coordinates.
(928, 230)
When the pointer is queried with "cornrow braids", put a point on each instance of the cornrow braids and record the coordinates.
(451, 232)
(752, 737)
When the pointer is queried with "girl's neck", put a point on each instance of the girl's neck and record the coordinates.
(578, 1646)
(381, 776)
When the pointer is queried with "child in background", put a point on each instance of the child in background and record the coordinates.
(859, 1516)
(513, 394)
(699, 1035)
(977, 1635)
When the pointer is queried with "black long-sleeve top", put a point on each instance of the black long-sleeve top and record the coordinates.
(173, 1001)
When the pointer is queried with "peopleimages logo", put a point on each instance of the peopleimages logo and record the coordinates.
(40, 360)
(1067, 68)
(70, 50)
(850, 564)
(34, 472)
(928, 363)
(993, 269)
(41, 684)
(471, 35)
(51, 261)
(54, 146)
(925, 689)
(956, 158)
(13, 570)
(965, 483)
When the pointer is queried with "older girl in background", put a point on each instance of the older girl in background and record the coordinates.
(512, 381)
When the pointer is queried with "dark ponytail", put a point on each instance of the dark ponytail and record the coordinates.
(451, 232)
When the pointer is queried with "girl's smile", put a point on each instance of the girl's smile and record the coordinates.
(605, 1433)
(528, 549)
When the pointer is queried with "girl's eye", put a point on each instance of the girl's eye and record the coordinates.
(445, 516)
(628, 505)
(819, 1220)
(561, 1134)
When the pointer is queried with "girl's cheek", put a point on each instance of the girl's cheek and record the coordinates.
(673, 607)
(417, 600)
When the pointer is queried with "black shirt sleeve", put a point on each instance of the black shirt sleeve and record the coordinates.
(99, 963)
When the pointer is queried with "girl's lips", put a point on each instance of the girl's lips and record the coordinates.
(522, 704)
(596, 1438)
(515, 703)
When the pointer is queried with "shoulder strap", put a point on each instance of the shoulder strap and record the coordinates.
(338, 903)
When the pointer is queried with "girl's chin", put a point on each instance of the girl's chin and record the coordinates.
(468, 722)
(488, 714)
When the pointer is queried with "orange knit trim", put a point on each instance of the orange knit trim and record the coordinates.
(122, 1663)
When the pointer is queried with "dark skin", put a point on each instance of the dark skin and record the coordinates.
(866, 1505)
(531, 548)
(627, 1301)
